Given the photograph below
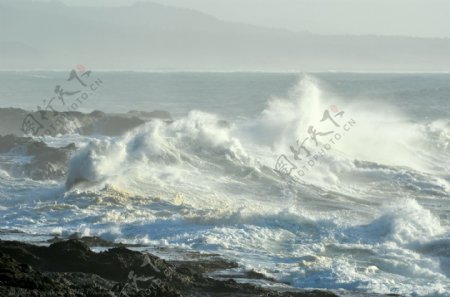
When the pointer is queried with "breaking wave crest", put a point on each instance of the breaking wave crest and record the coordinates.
(367, 216)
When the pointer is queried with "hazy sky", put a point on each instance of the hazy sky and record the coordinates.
(424, 18)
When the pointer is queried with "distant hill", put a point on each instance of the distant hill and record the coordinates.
(150, 36)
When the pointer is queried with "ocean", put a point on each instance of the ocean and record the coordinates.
(337, 181)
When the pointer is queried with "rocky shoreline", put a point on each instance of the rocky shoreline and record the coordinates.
(71, 268)
(53, 123)
(43, 162)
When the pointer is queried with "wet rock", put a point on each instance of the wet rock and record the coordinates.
(18, 279)
(156, 114)
(91, 241)
(41, 161)
(97, 122)
(70, 268)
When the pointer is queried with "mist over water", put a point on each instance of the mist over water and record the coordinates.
(370, 215)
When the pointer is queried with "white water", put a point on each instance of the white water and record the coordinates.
(370, 215)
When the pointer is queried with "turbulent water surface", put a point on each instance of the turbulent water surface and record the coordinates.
(360, 199)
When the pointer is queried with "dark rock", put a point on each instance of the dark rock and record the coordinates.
(91, 241)
(96, 122)
(97, 113)
(45, 162)
(22, 280)
(70, 268)
(156, 114)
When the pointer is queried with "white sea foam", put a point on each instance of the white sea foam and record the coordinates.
(369, 215)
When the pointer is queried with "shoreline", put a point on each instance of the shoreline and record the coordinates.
(71, 267)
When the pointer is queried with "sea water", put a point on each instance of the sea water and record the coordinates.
(330, 180)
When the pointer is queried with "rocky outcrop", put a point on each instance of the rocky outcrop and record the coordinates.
(35, 159)
(70, 268)
(22, 123)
